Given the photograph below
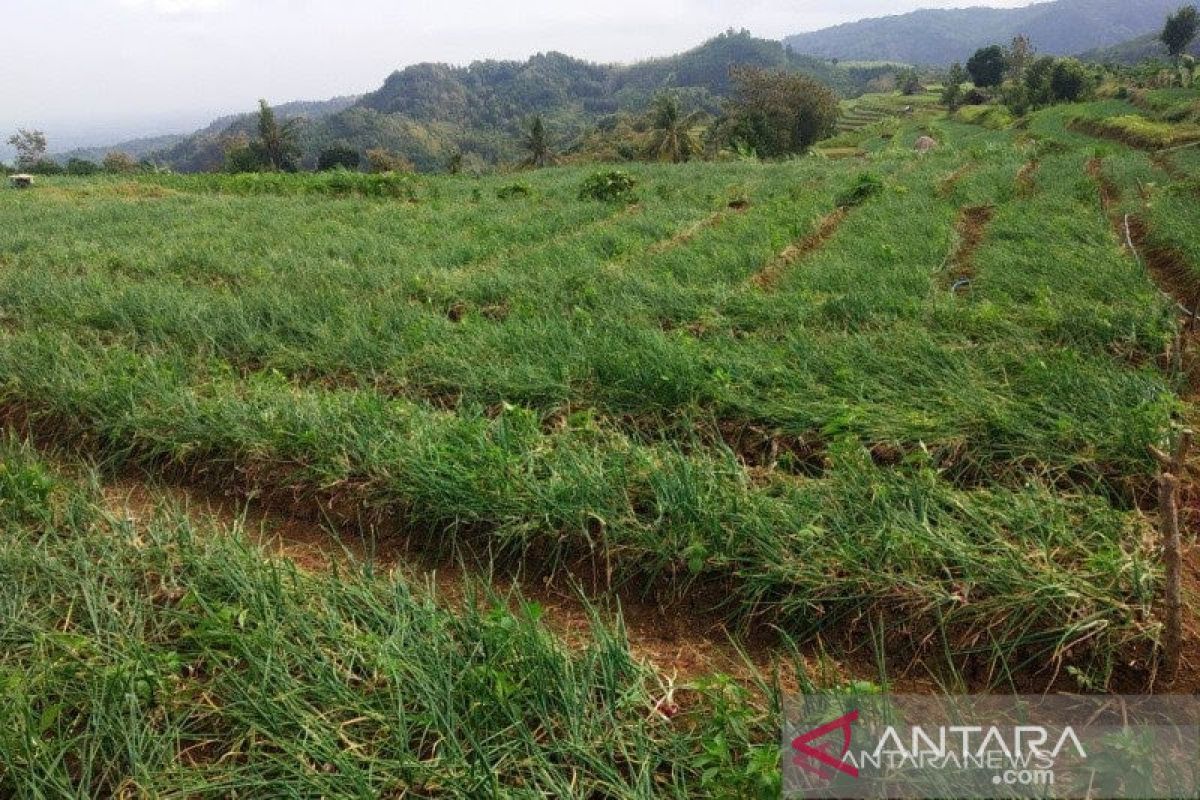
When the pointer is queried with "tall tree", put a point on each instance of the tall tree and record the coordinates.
(777, 113)
(1180, 30)
(1020, 53)
(952, 92)
(537, 144)
(279, 146)
(1039, 91)
(672, 139)
(30, 146)
(1069, 81)
(909, 81)
(987, 66)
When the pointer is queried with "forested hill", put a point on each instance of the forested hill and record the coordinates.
(427, 111)
(1135, 51)
(1062, 27)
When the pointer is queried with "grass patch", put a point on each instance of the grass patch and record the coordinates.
(993, 117)
(1138, 131)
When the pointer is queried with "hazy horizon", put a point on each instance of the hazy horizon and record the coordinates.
(94, 72)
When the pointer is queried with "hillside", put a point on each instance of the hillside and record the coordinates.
(1062, 27)
(427, 111)
(1134, 51)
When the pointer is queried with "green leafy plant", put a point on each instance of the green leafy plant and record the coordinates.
(511, 191)
(865, 186)
(612, 186)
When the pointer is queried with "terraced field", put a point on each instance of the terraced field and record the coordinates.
(897, 399)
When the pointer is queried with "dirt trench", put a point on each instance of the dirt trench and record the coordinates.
(679, 640)
(1174, 276)
(971, 228)
(769, 276)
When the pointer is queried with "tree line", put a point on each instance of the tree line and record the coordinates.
(771, 113)
(1015, 76)
(32, 147)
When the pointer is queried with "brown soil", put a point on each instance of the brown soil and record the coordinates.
(1169, 267)
(768, 277)
(692, 231)
(763, 452)
(1175, 278)
(971, 228)
(945, 187)
(678, 639)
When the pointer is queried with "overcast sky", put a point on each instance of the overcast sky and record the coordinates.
(117, 67)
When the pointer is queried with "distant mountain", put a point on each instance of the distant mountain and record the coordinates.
(939, 37)
(138, 148)
(429, 111)
(178, 148)
(1135, 51)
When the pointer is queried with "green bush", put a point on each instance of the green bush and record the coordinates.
(338, 157)
(514, 190)
(614, 186)
(46, 167)
(993, 117)
(1069, 81)
(79, 166)
(865, 186)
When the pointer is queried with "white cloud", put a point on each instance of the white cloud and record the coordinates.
(175, 6)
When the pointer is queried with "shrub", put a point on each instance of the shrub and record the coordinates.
(975, 97)
(1014, 95)
(380, 160)
(243, 158)
(865, 186)
(82, 167)
(991, 117)
(119, 163)
(1069, 81)
(338, 157)
(609, 187)
(46, 167)
(952, 94)
(514, 190)
(909, 82)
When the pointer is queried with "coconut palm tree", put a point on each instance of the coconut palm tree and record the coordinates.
(672, 139)
(280, 147)
(537, 145)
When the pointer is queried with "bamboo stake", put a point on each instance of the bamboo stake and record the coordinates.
(1174, 467)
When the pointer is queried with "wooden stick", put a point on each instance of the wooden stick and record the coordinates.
(1168, 500)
